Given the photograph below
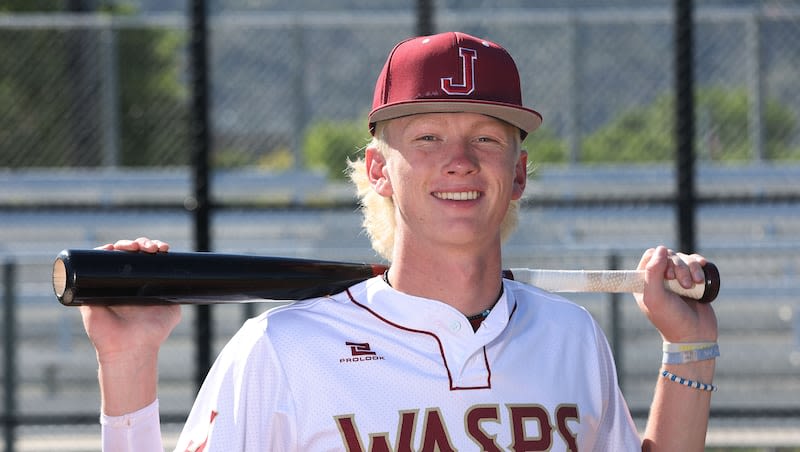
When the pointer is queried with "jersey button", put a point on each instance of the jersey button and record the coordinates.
(455, 325)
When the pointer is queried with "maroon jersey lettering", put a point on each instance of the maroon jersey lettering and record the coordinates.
(520, 415)
(530, 427)
(435, 437)
(349, 432)
(565, 413)
(379, 442)
(476, 416)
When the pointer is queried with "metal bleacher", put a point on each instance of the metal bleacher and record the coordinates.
(755, 245)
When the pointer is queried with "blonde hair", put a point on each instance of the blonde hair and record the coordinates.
(378, 211)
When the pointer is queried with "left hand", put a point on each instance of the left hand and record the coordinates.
(676, 318)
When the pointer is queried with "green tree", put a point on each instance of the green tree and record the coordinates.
(327, 145)
(32, 98)
(645, 134)
(544, 146)
(154, 114)
(50, 91)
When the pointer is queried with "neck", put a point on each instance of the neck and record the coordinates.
(468, 283)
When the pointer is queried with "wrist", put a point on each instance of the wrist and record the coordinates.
(697, 375)
(688, 352)
(688, 382)
(127, 359)
(127, 383)
(698, 370)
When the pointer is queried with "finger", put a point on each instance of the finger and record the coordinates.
(140, 244)
(161, 247)
(679, 270)
(696, 265)
(126, 245)
(151, 246)
(144, 242)
(656, 268)
(646, 256)
(670, 273)
(654, 263)
(147, 245)
(688, 268)
(660, 263)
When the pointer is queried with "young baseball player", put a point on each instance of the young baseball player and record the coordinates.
(440, 353)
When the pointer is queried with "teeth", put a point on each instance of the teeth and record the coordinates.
(457, 196)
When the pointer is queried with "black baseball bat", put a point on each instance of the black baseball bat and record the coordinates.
(123, 277)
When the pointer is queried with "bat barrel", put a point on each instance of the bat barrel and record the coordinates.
(60, 279)
(120, 277)
(712, 283)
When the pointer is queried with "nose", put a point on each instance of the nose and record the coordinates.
(461, 160)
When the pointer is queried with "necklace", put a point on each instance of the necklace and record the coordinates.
(480, 316)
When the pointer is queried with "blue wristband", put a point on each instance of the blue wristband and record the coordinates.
(690, 356)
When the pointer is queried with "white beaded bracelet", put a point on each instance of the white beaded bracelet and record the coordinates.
(690, 383)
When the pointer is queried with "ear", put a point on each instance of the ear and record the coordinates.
(520, 175)
(377, 172)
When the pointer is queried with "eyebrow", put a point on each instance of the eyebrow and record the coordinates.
(484, 121)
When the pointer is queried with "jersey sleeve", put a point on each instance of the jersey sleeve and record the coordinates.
(617, 430)
(245, 403)
(137, 431)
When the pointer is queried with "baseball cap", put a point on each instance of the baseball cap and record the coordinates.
(447, 73)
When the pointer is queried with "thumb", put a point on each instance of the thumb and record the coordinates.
(655, 263)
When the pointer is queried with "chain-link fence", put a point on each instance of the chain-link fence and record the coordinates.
(89, 90)
(94, 146)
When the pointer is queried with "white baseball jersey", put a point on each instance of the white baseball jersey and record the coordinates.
(372, 369)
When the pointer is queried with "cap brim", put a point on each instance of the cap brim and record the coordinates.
(523, 118)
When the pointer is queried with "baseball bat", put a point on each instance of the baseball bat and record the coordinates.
(120, 277)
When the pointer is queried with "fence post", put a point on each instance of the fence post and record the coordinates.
(686, 199)
(9, 356)
(201, 180)
(616, 325)
(425, 18)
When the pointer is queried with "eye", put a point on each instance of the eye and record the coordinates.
(488, 140)
(427, 138)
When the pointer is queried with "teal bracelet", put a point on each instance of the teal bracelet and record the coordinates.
(691, 355)
(689, 383)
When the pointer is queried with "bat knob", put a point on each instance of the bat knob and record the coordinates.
(712, 283)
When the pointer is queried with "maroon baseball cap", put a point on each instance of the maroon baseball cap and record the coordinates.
(447, 73)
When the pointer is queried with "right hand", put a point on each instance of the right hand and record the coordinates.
(129, 333)
(127, 340)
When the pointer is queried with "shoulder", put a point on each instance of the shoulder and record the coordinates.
(302, 314)
(552, 314)
(533, 298)
(265, 343)
(295, 321)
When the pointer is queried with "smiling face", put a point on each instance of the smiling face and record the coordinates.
(451, 177)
